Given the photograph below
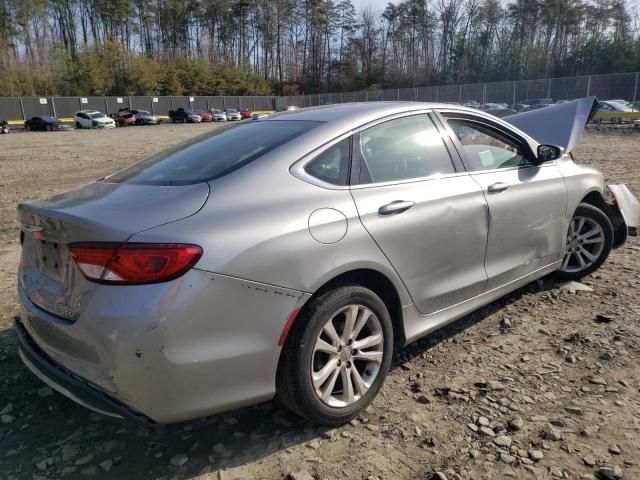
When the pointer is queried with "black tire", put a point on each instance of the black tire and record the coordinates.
(78, 125)
(27, 127)
(598, 216)
(49, 128)
(293, 383)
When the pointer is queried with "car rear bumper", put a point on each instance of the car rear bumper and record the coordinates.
(68, 384)
(163, 353)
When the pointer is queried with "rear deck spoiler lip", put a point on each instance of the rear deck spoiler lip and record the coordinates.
(561, 125)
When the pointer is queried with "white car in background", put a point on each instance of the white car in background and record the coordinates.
(233, 114)
(218, 115)
(93, 119)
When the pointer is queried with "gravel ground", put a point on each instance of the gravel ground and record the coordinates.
(541, 384)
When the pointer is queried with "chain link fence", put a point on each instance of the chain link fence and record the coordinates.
(606, 87)
(613, 86)
(22, 108)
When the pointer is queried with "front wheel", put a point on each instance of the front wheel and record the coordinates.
(588, 243)
(337, 355)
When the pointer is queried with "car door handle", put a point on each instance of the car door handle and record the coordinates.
(498, 187)
(397, 206)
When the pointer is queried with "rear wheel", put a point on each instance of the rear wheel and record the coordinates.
(337, 355)
(588, 243)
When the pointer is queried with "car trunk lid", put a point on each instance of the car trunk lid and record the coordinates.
(99, 212)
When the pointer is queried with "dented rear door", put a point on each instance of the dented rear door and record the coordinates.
(432, 228)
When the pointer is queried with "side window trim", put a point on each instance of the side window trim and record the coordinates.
(521, 143)
(455, 155)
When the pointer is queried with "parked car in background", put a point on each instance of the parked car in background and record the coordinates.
(500, 111)
(245, 113)
(521, 107)
(537, 101)
(184, 115)
(538, 106)
(218, 115)
(145, 117)
(634, 106)
(288, 108)
(493, 106)
(205, 116)
(233, 114)
(93, 119)
(45, 123)
(259, 116)
(4, 127)
(615, 107)
(204, 297)
(471, 104)
(618, 100)
(125, 117)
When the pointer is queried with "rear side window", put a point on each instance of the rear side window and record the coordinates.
(403, 148)
(212, 155)
(332, 165)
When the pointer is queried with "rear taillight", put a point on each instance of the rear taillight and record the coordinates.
(134, 263)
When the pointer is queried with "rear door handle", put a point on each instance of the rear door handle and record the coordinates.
(498, 187)
(397, 206)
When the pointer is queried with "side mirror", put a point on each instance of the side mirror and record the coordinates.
(546, 153)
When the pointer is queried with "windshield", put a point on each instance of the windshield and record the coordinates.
(97, 115)
(144, 112)
(231, 110)
(212, 155)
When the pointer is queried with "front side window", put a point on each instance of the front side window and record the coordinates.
(403, 148)
(212, 155)
(332, 165)
(486, 149)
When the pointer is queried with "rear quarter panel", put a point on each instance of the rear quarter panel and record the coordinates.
(255, 226)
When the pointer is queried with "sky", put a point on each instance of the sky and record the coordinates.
(376, 5)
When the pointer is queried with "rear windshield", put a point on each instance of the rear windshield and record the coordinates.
(212, 155)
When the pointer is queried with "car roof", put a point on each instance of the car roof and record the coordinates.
(361, 112)
(340, 119)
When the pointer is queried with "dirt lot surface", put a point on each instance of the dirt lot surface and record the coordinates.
(541, 384)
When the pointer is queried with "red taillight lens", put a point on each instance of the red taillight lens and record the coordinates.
(134, 263)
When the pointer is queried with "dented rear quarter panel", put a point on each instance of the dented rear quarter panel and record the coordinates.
(182, 349)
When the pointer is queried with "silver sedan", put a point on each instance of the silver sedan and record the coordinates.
(293, 256)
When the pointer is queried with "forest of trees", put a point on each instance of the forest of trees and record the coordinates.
(236, 47)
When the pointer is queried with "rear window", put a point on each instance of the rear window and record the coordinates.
(212, 155)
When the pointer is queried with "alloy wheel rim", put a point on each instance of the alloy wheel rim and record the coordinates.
(585, 243)
(347, 356)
